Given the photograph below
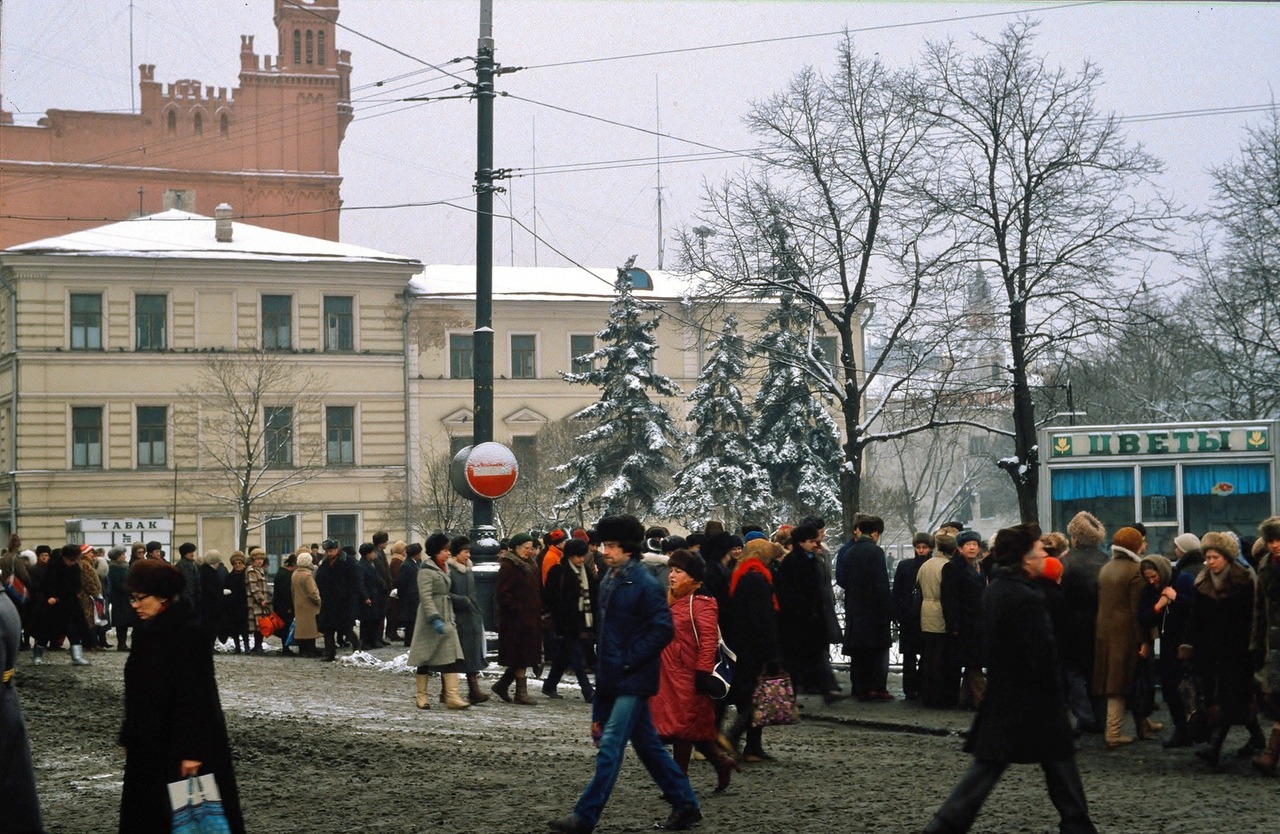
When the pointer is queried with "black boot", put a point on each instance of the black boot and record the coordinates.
(1180, 738)
(1210, 753)
(503, 686)
(1256, 744)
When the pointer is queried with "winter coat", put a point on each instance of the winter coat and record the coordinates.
(802, 630)
(835, 633)
(407, 591)
(258, 597)
(190, 570)
(213, 604)
(306, 604)
(753, 624)
(906, 610)
(467, 616)
(1023, 717)
(519, 598)
(171, 713)
(21, 806)
(561, 596)
(339, 585)
(237, 602)
(679, 710)
(371, 589)
(122, 615)
(863, 572)
(1219, 631)
(1118, 634)
(428, 648)
(716, 584)
(62, 583)
(962, 589)
(635, 626)
(90, 587)
(1080, 569)
(549, 560)
(1265, 640)
(282, 594)
(929, 578)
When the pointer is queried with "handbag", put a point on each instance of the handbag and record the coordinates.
(1144, 688)
(774, 702)
(270, 624)
(722, 671)
(99, 611)
(15, 589)
(197, 806)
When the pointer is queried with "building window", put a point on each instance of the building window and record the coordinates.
(461, 353)
(172, 121)
(86, 438)
(344, 527)
(277, 322)
(525, 448)
(150, 314)
(830, 354)
(278, 436)
(86, 322)
(580, 346)
(197, 124)
(523, 351)
(320, 45)
(297, 46)
(151, 435)
(338, 333)
(224, 125)
(340, 429)
(311, 48)
(458, 442)
(281, 538)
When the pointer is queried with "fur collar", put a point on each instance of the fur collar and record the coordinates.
(1237, 580)
(1118, 552)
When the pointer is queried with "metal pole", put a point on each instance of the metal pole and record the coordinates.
(482, 509)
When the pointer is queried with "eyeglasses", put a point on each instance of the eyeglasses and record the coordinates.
(136, 598)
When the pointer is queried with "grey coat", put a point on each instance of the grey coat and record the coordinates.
(467, 615)
(427, 647)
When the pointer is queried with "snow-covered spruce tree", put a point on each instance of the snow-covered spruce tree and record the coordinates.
(722, 477)
(626, 460)
(793, 434)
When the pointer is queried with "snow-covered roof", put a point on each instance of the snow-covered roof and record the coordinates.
(544, 283)
(181, 234)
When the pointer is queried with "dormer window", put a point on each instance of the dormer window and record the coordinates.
(640, 280)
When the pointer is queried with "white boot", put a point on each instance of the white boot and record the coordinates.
(77, 656)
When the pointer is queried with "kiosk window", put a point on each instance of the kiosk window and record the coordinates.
(1107, 493)
(1226, 496)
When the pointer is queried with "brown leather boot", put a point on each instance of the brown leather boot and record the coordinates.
(1265, 762)
(474, 694)
(522, 690)
(1112, 737)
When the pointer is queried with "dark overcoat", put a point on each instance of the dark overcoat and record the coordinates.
(906, 608)
(407, 591)
(339, 585)
(122, 615)
(560, 597)
(753, 626)
(1023, 717)
(962, 589)
(863, 572)
(466, 613)
(171, 712)
(519, 596)
(213, 605)
(1080, 569)
(1219, 632)
(802, 627)
(18, 799)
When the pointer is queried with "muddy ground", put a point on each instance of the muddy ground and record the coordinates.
(334, 748)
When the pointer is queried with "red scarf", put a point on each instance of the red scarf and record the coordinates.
(752, 566)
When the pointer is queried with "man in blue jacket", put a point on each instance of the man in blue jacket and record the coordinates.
(635, 625)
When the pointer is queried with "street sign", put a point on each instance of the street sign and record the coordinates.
(487, 470)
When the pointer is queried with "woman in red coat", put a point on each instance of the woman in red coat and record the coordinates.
(683, 714)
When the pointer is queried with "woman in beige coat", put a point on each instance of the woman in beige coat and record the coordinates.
(1118, 637)
(306, 605)
(435, 646)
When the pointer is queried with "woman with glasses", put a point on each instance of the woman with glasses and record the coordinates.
(173, 724)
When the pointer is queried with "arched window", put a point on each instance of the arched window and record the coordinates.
(173, 121)
(297, 46)
(197, 124)
(311, 47)
(224, 125)
(320, 44)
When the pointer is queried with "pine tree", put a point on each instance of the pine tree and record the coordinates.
(627, 462)
(723, 478)
(793, 434)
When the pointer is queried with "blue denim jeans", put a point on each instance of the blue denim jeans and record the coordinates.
(629, 720)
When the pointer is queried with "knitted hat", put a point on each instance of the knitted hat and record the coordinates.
(754, 535)
(1128, 538)
(690, 563)
(968, 536)
(556, 536)
(519, 539)
(1186, 542)
(155, 578)
(580, 534)
(1223, 543)
(1052, 569)
(922, 538)
(1085, 530)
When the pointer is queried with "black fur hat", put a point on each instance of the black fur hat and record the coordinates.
(626, 530)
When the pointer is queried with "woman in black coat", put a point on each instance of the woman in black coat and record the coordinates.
(962, 588)
(236, 608)
(753, 636)
(173, 723)
(213, 602)
(802, 628)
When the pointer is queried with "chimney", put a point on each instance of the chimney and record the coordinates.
(222, 223)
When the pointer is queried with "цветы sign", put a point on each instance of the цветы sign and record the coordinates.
(1189, 441)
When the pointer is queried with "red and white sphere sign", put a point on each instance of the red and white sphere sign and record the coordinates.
(491, 470)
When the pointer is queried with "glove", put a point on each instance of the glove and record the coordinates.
(702, 682)
(395, 593)
(226, 592)
(438, 625)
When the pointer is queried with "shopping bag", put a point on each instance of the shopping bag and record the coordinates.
(722, 672)
(774, 702)
(15, 589)
(197, 806)
(270, 624)
(288, 638)
(99, 611)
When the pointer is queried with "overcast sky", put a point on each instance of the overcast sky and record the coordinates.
(1157, 58)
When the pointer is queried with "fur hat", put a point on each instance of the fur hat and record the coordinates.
(155, 578)
(944, 542)
(1160, 565)
(1052, 569)
(626, 530)
(1055, 544)
(1224, 543)
(762, 549)
(690, 563)
(1187, 542)
(1012, 543)
(922, 538)
(1128, 538)
(1269, 530)
(1085, 530)
(968, 536)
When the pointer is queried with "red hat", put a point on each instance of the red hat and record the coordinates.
(1052, 569)
(86, 549)
(556, 536)
(579, 533)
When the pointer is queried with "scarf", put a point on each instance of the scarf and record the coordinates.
(753, 566)
(584, 591)
(1218, 579)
